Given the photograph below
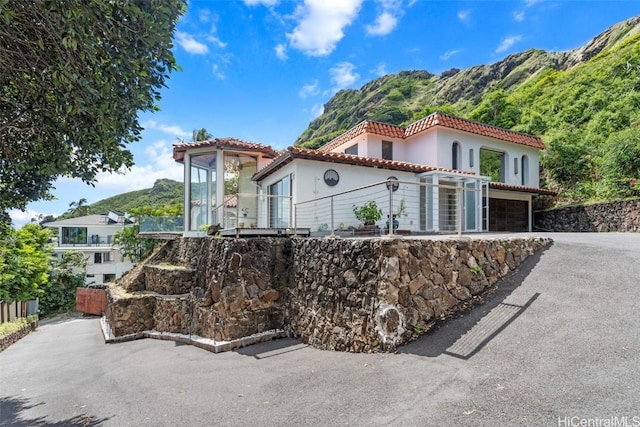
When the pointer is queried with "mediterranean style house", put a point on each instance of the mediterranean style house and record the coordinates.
(441, 173)
(92, 235)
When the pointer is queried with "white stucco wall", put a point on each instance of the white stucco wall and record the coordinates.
(447, 137)
(421, 149)
(116, 265)
(308, 184)
(433, 148)
(361, 140)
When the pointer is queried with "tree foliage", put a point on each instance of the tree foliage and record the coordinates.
(74, 75)
(131, 246)
(137, 249)
(621, 162)
(79, 208)
(496, 109)
(67, 274)
(24, 262)
(201, 135)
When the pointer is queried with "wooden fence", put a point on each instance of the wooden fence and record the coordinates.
(10, 311)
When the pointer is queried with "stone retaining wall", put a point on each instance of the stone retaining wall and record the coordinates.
(356, 295)
(621, 216)
(370, 295)
(223, 289)
(13, 337)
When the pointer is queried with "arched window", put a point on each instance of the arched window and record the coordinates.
(524, 170)
(456, 155)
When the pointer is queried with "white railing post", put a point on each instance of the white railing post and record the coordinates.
(390, 185)
(332, 227)
(295, 218)
(459, 209)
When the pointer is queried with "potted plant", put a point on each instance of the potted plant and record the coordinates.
(368, 213)
(396, 215)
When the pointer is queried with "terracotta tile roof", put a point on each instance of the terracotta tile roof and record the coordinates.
(307, 154)
(433, 120)
(451, 122)
(367, 126)
(521, 189)
(230, 143)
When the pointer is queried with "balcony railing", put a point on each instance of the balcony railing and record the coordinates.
(92, 240)
(161, 224)
(453, 204)
(407, 207)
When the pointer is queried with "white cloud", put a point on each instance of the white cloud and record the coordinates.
(160, 164)
(19, 218)
(464, 15)
(190, 44)
(262, 2)
(507, 42)
(204, 15)
(156, 163)
(216, 72)
(174, 130)
(215, 40)
(387, 20)
(518, 16)
(321, 24)
(384, 24)
(316, 111)
(343, 75)
(311, 89)
(448, 54)
(530, 3)
(381, 70)
(281, 51)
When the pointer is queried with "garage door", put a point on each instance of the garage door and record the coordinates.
(508, 215)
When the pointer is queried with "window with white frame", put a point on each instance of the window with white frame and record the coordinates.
(524, 170)
(101, 257)
(280, 203)
(353, 150)
(456, 155)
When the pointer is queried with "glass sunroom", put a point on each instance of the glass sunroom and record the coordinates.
(217, 182)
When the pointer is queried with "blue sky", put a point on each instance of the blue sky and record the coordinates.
(261, 70)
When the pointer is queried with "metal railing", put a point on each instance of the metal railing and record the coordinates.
(250, 210)
(453, 205)
(162, 224)
(92, 240)
(405, 207)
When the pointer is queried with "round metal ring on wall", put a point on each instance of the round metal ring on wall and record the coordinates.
(395, 185)
(331, 177)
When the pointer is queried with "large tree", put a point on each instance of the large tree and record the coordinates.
(24, 266)
(74, 74)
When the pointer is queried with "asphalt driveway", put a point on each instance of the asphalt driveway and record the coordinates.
(558, 344)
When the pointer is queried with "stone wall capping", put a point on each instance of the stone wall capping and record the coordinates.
(195, 340)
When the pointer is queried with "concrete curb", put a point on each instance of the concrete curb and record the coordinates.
(195, 340)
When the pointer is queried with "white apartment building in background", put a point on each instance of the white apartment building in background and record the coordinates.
(92, 235)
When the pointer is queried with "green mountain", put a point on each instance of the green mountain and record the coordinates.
(584, 103)
(164, 192)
